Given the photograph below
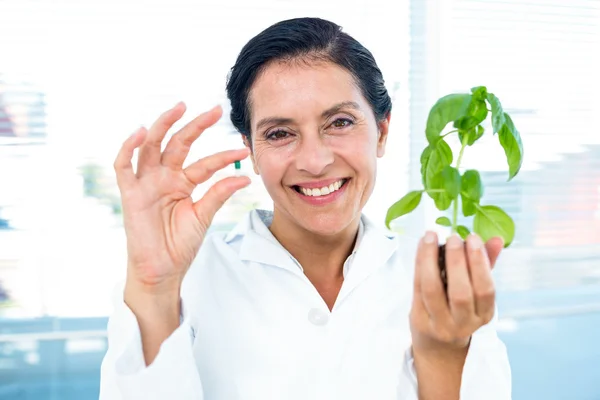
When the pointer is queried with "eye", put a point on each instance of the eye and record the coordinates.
(277, 135)
(342, 123)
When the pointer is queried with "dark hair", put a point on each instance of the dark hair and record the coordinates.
(304, 39)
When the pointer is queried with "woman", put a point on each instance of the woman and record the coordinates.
(310, 301)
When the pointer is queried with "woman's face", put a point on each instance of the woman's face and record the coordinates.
(315, 144)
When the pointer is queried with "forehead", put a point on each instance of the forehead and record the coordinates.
(296, 90)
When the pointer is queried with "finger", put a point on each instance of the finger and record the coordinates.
(204, 168)
(460, 292)
(179, 146)
(216, 196)
(494, 246)
(418, 307)
(122, 164)
(481, 278)
(432, 289)
(150, 151)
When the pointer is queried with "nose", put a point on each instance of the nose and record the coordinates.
(313, 155)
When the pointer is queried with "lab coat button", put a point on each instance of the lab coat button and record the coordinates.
(318, 317)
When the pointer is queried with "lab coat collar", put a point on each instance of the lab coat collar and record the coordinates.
(258, 243)
(373, 248)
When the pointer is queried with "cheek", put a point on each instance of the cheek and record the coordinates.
(359, 151)
(272, 163)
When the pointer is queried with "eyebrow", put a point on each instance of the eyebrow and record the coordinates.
(325, 114)
(340, 106)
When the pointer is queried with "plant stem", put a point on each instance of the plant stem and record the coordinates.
(455, 201)
(462, 151)
(447, 133)
(454, 215)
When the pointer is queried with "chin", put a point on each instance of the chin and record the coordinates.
(326, 223)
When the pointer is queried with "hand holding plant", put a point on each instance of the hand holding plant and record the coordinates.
(447, 312)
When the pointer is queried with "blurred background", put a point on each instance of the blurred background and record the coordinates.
(77, 77)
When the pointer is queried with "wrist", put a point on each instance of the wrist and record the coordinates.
(157, 311)
(431, 352)
(153, 303)
(439, 369)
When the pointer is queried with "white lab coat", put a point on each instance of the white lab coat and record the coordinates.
(254, 327)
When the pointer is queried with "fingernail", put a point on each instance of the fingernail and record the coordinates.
(475, 241)
(454, 241)
(429, 238)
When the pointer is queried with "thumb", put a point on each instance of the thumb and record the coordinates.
(216, 196)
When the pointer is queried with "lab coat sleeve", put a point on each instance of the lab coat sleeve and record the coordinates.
(124, 376)
(486, 374)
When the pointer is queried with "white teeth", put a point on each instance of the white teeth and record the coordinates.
(324, 190)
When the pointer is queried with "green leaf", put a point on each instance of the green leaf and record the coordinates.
(478, 133)
(476, 111)
(424, 161)
(497, 112)
(468, 206)
(471, 185)
(439, 157)
(473, 133)
(479, 92)
(405, 205)
(463, 231)
(447, 109)
(471, 191)
(451, 178)
(425, 154)
(443, 221)
(491, 221)
(510, 139)
(476, 114)
(442, 199)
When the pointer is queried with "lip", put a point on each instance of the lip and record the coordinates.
(318, 184)
(323, 200)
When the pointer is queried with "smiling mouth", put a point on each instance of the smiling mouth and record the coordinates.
(323, 191)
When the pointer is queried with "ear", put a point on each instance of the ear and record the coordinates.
(384, 126)
(248, 144)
